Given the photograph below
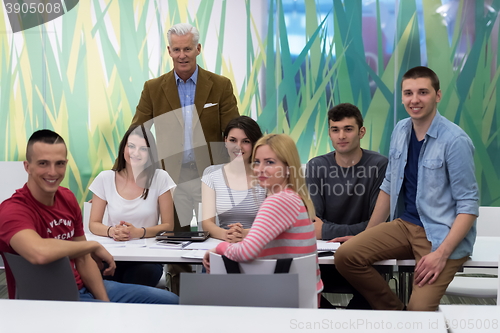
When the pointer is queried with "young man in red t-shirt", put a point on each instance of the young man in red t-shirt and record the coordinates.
(42, 222)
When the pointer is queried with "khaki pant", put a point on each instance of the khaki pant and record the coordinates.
(397, 239)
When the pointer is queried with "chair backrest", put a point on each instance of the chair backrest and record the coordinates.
(305, 267)
(12, 177)
(53, 281)
(488, 220)
(200, 217)
(87, 206)
(264, 290)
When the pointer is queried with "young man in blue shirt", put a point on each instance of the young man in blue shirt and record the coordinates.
(431, 194)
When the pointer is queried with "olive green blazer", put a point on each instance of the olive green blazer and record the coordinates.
(160, 106)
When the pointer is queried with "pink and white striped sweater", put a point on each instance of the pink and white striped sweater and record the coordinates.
(282, 229)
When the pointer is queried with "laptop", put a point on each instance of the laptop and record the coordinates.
(193, 236)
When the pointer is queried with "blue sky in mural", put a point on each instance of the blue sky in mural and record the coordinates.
(295, 18)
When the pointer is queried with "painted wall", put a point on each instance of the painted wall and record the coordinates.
(289, 61)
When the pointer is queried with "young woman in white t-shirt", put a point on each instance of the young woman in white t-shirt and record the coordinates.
(136, 194)
(229, 191)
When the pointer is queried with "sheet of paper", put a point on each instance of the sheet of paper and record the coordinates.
(208, 244)
(325, 246)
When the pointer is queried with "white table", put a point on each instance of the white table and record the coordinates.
(471, 318)
(486, 252)
(54, 317)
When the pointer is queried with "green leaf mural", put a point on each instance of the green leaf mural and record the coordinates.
(82, 74)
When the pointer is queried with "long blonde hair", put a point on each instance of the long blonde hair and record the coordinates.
(286, 151)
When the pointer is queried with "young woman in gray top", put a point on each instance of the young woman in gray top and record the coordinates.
(229, 191)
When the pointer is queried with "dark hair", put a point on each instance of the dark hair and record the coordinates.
(422, 72)
(345, 110)
(246, 124)
(45, 136)
(153, 162)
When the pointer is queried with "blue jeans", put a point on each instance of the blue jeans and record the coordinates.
(132, 293)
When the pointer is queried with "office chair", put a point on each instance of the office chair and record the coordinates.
(479, 282)
(305, 267)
